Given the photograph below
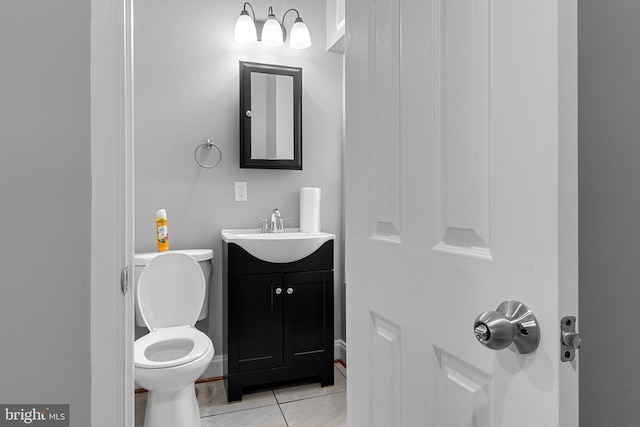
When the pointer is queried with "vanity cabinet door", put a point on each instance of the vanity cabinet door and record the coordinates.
(255, 322)
(308, 317)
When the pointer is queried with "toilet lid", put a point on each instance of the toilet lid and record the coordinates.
(169, 347)
(170, 291)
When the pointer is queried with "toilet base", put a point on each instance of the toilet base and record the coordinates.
(172, 408)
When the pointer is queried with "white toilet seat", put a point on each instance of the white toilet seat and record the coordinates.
(171, 347)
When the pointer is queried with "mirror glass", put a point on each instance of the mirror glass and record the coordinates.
(270, 116)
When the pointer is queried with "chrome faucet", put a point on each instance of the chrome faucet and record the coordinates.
(275, 224)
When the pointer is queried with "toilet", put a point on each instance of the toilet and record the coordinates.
(169, 294)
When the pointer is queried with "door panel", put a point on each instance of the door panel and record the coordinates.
(460, 194)
(461, 66)
(385, 373)
(385, 85)
(464, 395)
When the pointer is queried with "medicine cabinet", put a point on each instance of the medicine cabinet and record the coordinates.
(270, 116)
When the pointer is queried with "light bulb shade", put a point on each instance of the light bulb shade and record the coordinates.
(272, 32)
(245, 29)
(300, 37)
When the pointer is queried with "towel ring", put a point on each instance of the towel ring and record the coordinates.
(207, 144)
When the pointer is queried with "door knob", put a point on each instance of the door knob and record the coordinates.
(512, 322)
(278, 291)
(290, 291)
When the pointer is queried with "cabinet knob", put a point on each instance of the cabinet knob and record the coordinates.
(278, 291)
(290, 291)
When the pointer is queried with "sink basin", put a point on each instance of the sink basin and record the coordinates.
(277, 247)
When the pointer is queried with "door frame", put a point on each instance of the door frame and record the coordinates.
(112, 157)
(112, 209)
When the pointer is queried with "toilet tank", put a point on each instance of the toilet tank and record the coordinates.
(204, 258)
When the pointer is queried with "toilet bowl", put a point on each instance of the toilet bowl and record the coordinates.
(174, 353)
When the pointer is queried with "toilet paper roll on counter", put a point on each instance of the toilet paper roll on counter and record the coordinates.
(309, 210)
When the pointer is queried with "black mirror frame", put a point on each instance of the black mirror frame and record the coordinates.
(246, 68)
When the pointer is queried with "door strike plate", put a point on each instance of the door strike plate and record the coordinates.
(570, 339)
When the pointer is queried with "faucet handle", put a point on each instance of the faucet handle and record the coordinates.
(282, 218)
(265, 224)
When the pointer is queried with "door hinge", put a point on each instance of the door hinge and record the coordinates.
(124, 280)
(570, 339)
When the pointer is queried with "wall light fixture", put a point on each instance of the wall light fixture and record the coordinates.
(272, 32)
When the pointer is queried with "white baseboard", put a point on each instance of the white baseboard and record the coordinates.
(340, 350)
(215, 369)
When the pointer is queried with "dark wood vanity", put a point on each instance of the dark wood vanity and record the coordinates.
(277, 319)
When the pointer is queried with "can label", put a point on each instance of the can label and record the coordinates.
(162, 234)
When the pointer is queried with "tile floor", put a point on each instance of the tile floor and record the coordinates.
(300, 405)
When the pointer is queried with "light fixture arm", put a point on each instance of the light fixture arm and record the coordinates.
(285, 15)
(284, 29)
(253, 12)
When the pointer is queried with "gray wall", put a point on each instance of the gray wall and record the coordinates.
(45, 204)
(187, 90)
(609, 156)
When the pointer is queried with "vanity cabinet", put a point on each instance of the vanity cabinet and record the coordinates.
(277, 319)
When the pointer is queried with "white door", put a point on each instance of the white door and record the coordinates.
(461, 193)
